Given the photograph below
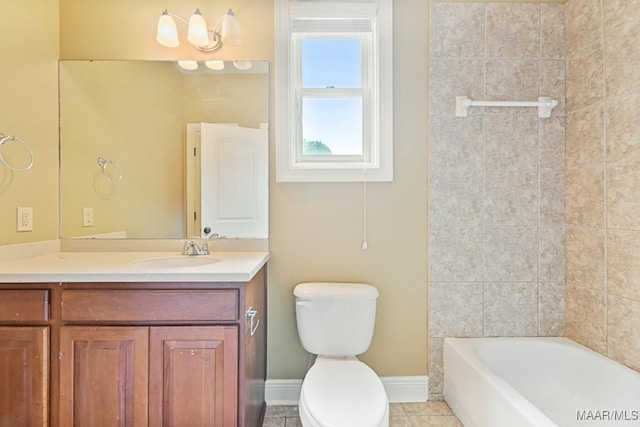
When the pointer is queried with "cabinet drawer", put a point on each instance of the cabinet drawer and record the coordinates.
(27, 305)
(149, 306)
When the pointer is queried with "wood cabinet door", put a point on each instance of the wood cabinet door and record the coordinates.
(104, 376)
(193, 376)
(24, 369)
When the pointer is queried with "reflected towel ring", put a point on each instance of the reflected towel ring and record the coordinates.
(6, 138)
(104, 164)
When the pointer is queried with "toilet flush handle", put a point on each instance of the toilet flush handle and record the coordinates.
(303, 303)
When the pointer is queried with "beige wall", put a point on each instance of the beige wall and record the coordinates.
(496, 183)
(131, 113)
(315, 229)
(603, 159)
(29, 110)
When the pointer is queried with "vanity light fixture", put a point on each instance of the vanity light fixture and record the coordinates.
(188, 64)
(214, 64)
(243, 65)
(225, 32)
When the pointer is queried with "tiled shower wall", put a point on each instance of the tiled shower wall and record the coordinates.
(496, 224)
(603, 176)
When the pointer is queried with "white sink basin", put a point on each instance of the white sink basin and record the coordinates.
(183, 261)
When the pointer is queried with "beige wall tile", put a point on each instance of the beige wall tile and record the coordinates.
(511, 198)
(455, 309)
(511, 143)
(513, 30)
(586, 317)
(552, 198)
(623, 129)
(552, 309)
(586, 257)
(456, 143)
(585, 197)
(586, 248)
(455, 254)
(582, 23)
(552, 254)
(623, 197)
(455, 198)
(618, 12)
(585, 77)
(552, 143)
(552, 83)
(512, 80)
(520, 160)
(585, 137)
(457, 30)
(451, 78)
(511, 254)
(552, 30)
(511, 309)
(436, 368)
(623, 264)
(622, 53)
(623, 332)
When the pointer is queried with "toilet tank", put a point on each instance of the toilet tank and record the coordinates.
(335, 319)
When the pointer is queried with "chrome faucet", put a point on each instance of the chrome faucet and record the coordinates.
(192, 248)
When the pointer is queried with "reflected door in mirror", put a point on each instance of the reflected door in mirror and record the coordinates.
(228, 186)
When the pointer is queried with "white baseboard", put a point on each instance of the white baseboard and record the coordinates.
(399, 389)
(282, 392)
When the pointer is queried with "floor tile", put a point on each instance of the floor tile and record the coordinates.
(274, 422)
(434, 421)
(427, 408)
(282, 411)
(422, 414)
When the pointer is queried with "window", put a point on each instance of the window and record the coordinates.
(334, 118)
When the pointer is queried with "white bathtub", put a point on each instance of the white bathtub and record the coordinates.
(541, 382)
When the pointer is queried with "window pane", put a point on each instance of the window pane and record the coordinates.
(332, 126)
(328, 62)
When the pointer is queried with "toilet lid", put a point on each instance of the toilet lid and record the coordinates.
(344, 393)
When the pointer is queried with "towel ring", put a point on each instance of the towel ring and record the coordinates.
(104, 164)
(6, 138)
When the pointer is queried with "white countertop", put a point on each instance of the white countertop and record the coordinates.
(127, 267)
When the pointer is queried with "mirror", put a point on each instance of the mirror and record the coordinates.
(149, 149)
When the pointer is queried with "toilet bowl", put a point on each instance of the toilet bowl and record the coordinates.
(336, 322)
(343, 393)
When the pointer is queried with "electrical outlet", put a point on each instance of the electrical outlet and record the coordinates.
(87, 217)
(24, 219)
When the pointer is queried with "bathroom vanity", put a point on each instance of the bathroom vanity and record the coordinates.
(133, 339)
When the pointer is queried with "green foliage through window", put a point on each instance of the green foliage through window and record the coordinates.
(315, 147)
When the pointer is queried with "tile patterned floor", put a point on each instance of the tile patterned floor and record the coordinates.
(429, 414)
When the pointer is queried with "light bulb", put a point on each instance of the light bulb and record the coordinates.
(214, 64)
(230, 32)
(243, 65)
(167, 34)
(198, 34)
(188, 64)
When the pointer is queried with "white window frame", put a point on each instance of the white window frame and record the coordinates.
(376, 163)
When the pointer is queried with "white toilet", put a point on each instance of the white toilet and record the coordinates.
(336, 322)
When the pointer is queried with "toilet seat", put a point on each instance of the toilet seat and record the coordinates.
(343, 393)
